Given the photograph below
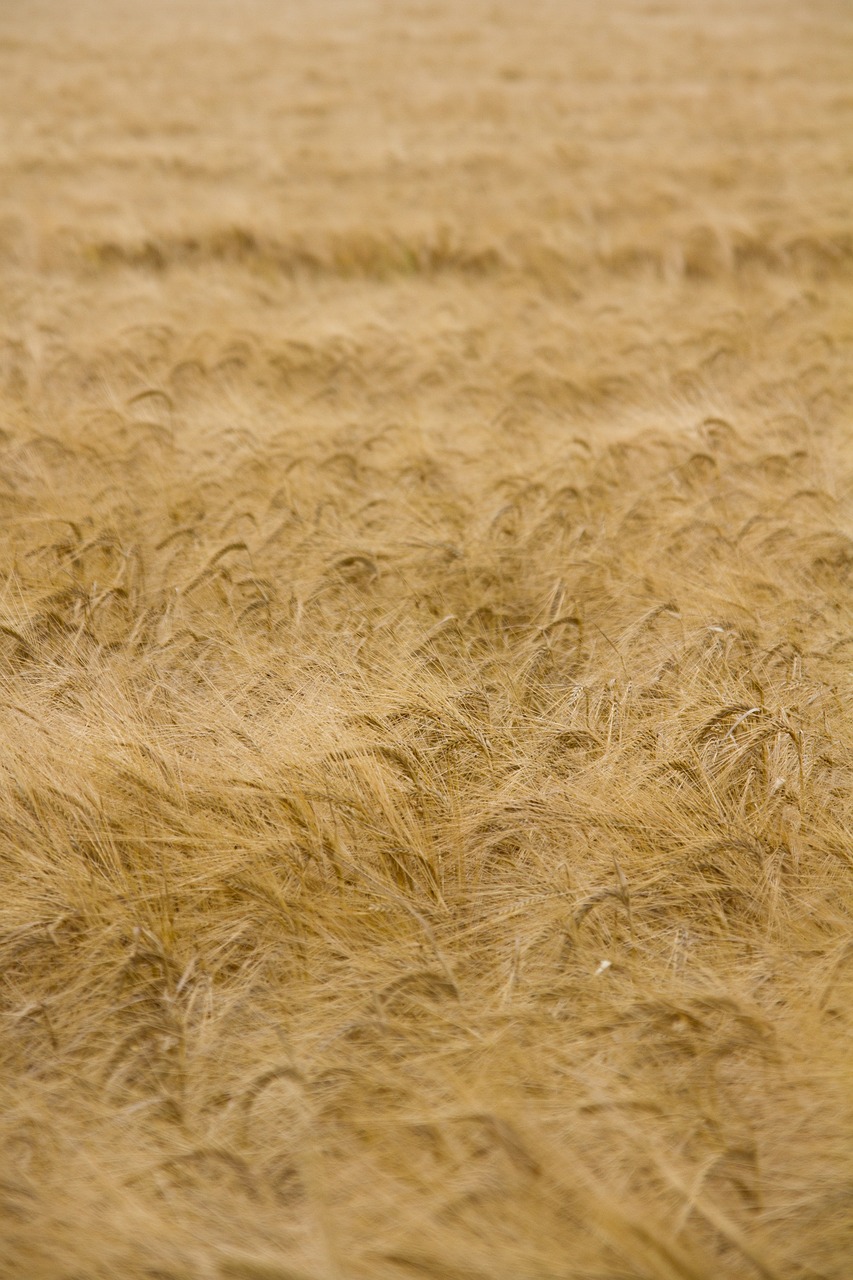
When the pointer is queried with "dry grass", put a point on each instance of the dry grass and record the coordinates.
(425, 641)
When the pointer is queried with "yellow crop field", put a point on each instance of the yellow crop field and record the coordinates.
(426, 640)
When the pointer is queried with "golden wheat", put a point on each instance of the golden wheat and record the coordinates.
(425, 640)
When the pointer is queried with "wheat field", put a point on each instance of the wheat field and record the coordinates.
(426, 639)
